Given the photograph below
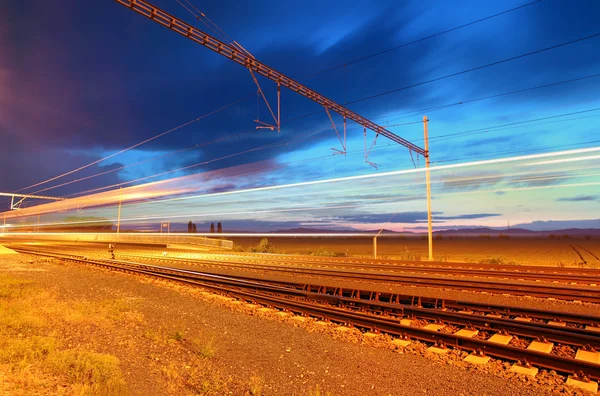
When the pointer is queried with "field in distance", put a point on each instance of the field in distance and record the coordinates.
(531, 251)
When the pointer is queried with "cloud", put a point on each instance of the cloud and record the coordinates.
(410, 217)
(579, 198)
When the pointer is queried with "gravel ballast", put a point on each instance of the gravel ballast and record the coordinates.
(289, 355)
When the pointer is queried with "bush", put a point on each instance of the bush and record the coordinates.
(503, 236)
(324, 253)
(263, 247)
(237, 248)
(492, 260)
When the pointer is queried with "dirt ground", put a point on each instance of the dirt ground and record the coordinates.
(177, 340)
(530, 251)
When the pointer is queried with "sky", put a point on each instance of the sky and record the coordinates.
(80, 81)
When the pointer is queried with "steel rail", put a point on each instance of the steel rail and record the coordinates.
(388, 263)
(387, 325)
(533, 290)
(256, 264)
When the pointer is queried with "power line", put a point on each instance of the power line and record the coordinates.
(135, 145)
(422, 39)
(456, 73)
(264, 147)
(228, 137)
(520, 124)
(482, 130)
(478, 67)
(445, 106)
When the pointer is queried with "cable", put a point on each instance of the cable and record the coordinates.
(267, 146)
(456, 74)
(253, 131)
(135, 145)
(477, 68)
(117, 169)
(481, 130)
(441, 107)
(421, 39)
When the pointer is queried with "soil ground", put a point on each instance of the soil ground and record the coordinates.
(531, 251)
(185, 341)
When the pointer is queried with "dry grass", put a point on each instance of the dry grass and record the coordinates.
(32, 358)
(529, 251)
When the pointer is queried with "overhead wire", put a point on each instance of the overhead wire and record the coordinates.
(456, 73)
(385, 93)
(267, 146)
(445, 106)
(135, 145)
(353, 152)
(478, 67)
(422, 39)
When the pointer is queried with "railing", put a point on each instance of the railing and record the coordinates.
(124, 238)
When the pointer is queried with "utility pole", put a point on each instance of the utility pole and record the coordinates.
(119, 213)
(428, 182)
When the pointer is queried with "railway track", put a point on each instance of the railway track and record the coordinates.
(504, 287)
(564, 342)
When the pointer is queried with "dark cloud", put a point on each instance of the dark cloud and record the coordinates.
(579, 198)
(82, 78)
(410, 217)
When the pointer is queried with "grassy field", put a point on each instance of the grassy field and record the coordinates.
(34, 360)
(554, 252)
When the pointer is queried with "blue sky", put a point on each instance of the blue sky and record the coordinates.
(81, 80)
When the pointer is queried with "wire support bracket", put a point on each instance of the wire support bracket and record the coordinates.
(342, 142)
(264, 125)
(374, 165)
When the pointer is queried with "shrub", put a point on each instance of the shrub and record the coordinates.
(324, 253)
(237, 248)
(503, 236)
(492, 260)
(263, 247)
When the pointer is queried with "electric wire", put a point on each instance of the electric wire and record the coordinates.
(477, 68)
(422, 39)
(456, 74)
(135, 145)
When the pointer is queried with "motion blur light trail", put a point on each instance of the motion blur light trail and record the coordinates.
(563, 186)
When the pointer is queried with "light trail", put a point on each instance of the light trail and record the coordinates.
(259, 203)
(401, 172)
(303, 208)
(559, 161)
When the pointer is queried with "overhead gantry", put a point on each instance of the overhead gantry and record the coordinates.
(238, 54)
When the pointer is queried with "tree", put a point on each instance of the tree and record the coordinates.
(212, 228)
(219, 228)
(190, 226)
(194, 228)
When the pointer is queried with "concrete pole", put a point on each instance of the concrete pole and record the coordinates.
(119, 214)
(375, 247)
(428, 182)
